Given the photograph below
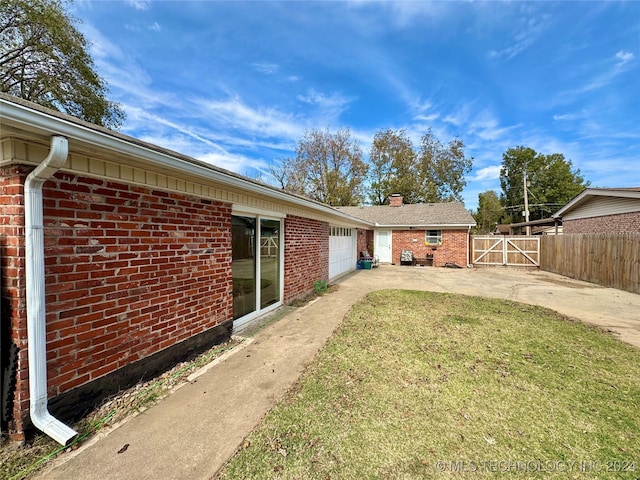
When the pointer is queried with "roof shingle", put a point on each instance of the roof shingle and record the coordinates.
(421, 214)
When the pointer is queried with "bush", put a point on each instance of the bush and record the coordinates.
(320, 287)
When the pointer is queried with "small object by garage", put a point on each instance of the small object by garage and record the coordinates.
(368, 261)
(425, 261)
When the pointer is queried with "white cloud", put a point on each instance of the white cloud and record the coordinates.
(100, 46)
(491, 172)
(155, 26)
(494, 132)
(266, 68)
(427, 118)
(528, 30)
(268, 122)
(624, 57)
(325, 109)
(139, 4)
(457, 119)
(403, 13)
(422, 110)
(422, 105)
(141, 117)
(567, 117)
(334, 100)
(234, 162)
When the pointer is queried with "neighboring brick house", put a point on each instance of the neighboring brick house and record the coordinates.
(120, 258)
(440, 230)
(602, 210)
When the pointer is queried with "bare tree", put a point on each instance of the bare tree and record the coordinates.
(328, 167)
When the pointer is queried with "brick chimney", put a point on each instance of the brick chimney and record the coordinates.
(395, 200)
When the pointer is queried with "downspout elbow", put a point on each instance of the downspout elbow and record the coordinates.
(35, 292)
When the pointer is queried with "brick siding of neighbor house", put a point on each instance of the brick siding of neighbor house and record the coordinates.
(453, 249)
(620, 223)
(306, 255)
(135, 279)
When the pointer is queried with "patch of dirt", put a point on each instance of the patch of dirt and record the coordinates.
(304, 300)
(18, 460)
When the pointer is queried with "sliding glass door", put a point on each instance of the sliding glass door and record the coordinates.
(269, 262)
(256, 265)
(243, 265)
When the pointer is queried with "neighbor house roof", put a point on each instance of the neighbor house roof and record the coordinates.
(451, 214)
(612, 200)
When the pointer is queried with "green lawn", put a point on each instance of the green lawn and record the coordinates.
(422, 385)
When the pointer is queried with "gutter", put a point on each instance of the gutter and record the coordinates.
(35, 291)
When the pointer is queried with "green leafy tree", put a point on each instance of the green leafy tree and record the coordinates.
(442, 169)
(44, 59)
(436, 173)
(489, 212)
(552, 182)
(393, 164)
(328, 167)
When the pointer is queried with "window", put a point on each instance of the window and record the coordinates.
(433, 237)
(341, 232)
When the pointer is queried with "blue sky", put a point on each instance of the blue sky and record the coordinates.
(238, 83)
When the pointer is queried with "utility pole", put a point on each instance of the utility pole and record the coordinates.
(526, 201)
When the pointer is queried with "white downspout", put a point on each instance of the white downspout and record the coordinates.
(469, 264)
(36, 309)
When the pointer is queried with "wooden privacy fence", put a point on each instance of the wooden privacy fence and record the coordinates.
(505, 250)
(612, 260)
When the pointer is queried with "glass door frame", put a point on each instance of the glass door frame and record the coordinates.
(259, 215)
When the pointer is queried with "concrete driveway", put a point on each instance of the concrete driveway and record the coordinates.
(614, 310)
(194, 431)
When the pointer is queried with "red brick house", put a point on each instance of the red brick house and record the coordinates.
(438, 231)
(120, 258)
(602, 210)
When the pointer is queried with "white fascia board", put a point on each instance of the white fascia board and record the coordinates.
(242, 210)
(97, 137)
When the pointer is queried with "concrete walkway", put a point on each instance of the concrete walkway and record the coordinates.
(193, 432)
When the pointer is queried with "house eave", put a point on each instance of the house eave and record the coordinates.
(21, 120)
(586, 194)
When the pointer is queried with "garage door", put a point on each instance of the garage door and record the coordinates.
(342, 251)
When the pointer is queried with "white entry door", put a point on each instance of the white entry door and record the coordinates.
(382, 245)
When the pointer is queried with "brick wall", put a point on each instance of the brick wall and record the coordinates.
(365, 241)
(129, 272)
(307, 255)
(14, 307)
(453, 248)
(621, 223)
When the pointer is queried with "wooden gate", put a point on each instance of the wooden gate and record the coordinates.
(505, 250)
